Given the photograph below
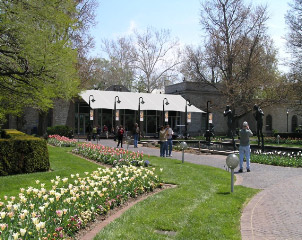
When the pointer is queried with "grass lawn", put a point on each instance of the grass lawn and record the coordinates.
(61, 164)
(201, 207)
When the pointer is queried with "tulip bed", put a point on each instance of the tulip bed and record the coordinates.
(290, 141)
(61, 141)
(278, 158)
(71, 203)
(111, 156)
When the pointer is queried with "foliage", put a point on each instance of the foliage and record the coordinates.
(61, 130)
(21, 153)
(37, 60)
(60, 141)
(295, 141)
(71, 203)
(111, 156)
(62, 163)
(278, 158)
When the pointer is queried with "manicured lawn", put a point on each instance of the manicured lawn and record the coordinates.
(201, 207)
(61, 163)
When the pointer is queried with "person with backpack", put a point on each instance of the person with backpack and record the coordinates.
(120, 135)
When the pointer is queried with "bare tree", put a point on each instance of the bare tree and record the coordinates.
(294, 43)
(198, 66)
(239, 58)
(145, 61)
(83, 42)
(121, 58)
(156, 57)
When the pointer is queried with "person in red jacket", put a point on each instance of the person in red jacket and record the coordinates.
(105, 130)
(120, 135)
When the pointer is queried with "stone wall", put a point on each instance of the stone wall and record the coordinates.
(199, 95)
(60, 112)
(31, 121)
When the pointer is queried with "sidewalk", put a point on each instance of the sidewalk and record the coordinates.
(274, 213)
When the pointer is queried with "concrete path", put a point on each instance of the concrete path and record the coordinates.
(275, 212)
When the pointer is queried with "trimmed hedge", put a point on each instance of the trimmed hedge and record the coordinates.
(60, 130)
(21, 153)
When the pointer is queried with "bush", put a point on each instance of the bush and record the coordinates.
(60, 130)
(21, 153)
(289, 135)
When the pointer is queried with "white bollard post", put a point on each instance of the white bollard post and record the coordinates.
(183, 146)
(232, 162)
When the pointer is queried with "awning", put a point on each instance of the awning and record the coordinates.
(130, 100)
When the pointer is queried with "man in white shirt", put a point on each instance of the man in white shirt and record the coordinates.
(169, 141)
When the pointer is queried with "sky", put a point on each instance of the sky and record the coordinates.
(116, 18)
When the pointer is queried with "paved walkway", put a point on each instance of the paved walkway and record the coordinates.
(275, 212)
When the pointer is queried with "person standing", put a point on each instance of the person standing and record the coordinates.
(244, 148)
(162, 141)
(94, 132)
(88, 131)
(120, 135)
(135, 132)
(169, 141)
(105, 130)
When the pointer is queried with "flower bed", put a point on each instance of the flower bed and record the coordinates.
(72, 203)
(278, 158)
(274, 140)
(61, 141)
(111, 156)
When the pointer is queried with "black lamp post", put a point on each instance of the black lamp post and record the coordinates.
(287, 111)
(140, 101)
(90, 121)
(118, 101)
(188, 103)
(167, 103)
(207, 124)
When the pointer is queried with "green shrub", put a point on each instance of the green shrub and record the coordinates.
(21, 153)
(60, 130)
